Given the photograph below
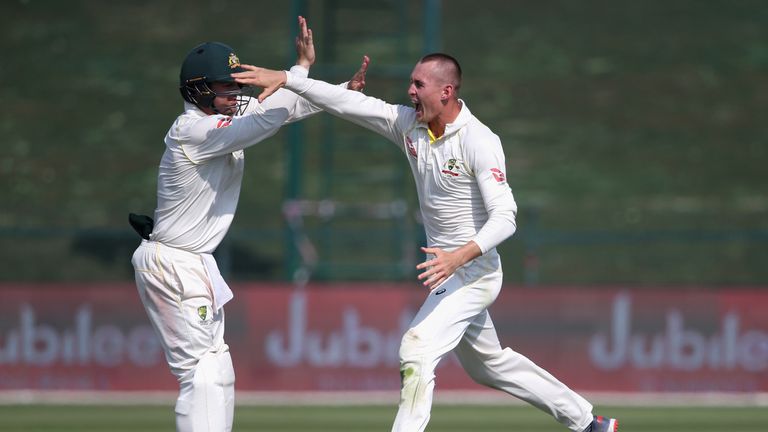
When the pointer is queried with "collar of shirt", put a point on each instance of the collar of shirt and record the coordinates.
(194, 109)
(451, 128)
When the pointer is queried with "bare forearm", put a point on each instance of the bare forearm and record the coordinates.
(467, 253)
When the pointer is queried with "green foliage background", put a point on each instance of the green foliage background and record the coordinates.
(634, 131)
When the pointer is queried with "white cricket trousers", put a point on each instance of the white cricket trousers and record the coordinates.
(176, 293)
(455, 317)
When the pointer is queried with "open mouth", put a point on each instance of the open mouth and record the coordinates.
(418, 107)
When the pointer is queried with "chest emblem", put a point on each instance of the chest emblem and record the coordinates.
(451, 168)
(411, 147)
(202, 312)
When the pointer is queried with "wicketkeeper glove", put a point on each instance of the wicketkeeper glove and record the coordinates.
(142, 224)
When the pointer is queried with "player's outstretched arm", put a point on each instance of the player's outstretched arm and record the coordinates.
(374, 114)
(272, 80)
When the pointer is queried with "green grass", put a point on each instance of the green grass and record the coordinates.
(445, 418)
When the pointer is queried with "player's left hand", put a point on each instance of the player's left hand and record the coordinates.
(305, 47)
(439, 268)
(357, 82)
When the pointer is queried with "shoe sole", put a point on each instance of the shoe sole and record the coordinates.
(613, 425)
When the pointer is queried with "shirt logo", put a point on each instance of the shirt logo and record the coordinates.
(411, 147)
(451, 168)
(224, 122)
(202, 312)
(498, 175)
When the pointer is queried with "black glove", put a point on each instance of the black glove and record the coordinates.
(142, 224)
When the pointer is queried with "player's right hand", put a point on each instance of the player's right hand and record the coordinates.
(269, 80)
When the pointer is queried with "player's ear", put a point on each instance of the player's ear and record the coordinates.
(447, 93)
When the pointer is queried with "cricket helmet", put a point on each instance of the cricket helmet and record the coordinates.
(206, 64)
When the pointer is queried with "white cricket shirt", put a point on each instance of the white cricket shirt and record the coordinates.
(460, 177)
(201, 170)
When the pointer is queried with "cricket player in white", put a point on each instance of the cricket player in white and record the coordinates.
(468, 209)
(199, 182)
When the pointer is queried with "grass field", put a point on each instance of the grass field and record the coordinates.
(445, 418)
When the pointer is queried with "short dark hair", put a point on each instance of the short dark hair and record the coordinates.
(451, 65)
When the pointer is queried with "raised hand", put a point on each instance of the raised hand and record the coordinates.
(305, 47)
(269, 80)
(357, 82)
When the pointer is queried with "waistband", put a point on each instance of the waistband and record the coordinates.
(169, 250)
(220, 291)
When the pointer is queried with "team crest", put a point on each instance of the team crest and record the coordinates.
(451, 168)
(202, 312)
(233, 61)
